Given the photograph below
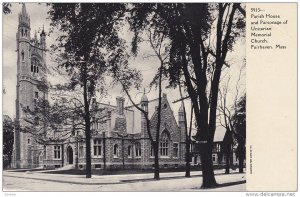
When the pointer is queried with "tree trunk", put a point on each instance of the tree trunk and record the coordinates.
(87, 125)
(187, 169)
(104, 151)
(227, 163)
(187, 159)
(156, 162)
(241, 164)
(209, 180)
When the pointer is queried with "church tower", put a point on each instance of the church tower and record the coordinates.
(31, 71)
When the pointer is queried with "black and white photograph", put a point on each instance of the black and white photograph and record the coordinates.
(124, 97)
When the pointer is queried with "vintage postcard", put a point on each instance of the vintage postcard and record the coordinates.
(127, 97)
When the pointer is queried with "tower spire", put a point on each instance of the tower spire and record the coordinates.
(24, 13)
(24, 19)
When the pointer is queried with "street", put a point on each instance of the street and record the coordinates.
(175, 181)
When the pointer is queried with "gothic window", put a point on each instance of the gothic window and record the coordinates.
(22, 32)
(97, 147)
(129, 151)
(28, 141)
(138, 149)
(26, 32)
(34, 66)
(116, 150)
(175, 150)
(57, 152)
(164, 144)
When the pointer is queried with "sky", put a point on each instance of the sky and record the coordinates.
(148, 65)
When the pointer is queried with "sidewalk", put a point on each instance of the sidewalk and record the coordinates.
(103, 179)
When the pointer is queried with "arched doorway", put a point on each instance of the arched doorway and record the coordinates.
(70, 155)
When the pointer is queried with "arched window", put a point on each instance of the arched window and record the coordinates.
(116, 150)
(129, 151)
(34, 66)
(164, 144)
(138, 151)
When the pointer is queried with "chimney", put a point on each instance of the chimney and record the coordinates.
(120, 105)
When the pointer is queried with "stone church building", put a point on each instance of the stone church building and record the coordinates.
(121, 141)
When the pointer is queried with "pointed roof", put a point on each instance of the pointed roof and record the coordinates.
(43, 32)
(24, 19)
(24, 13)
(181, 109)
(144, 97)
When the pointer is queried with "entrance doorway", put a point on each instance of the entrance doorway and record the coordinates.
(70, 155)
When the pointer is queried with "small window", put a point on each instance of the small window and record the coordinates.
(44, 153)
(165, 165)
(129, 151)
(56, 152)
(41, 156)
(36, 95)
(214, 158)
(31, 67)
(116, 150)
(176, 165)
(97, 166)
(97, 147)
(22, 55)
(28, 141)
(81, 151)
(138, 151)
(151, 151)
(175, 150)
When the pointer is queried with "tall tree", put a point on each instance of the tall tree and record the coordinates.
(188, 133)
(201, 36)
(127, 77)
(88, 42)
(239, 119)
(230, 92)
(8, 138)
